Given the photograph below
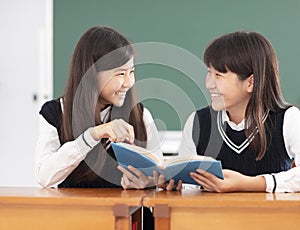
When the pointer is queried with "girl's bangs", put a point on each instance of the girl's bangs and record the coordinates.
(114, 59)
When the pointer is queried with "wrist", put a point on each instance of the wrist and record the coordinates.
(94, 134)
(255, 184)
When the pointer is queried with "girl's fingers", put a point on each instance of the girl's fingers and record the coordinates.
(170, 185)
(135, 178)
(124, 171)
(126, 180)
(179, 185)
(130, 132)
(156, 177)
(122, 130)
(202, 180)
(137, 172)
(118, 132)
(127, 173)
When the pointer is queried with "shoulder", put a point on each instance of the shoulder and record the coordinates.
(205, 111)
(51, 105)
(293, 112)
(197, 117)
(147, 116)
(291, 127)
(292, 115)
(289, 114)
(52, 112)
(190, 120)
(205, 114)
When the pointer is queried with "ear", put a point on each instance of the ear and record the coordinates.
(250, 83)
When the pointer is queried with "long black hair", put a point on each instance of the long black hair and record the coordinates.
(246, 54)
(98, 49)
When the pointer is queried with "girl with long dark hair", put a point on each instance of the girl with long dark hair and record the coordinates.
(98, 106)
(248, 126)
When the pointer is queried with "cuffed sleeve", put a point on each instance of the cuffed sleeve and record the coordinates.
(269, 182)
(54, 162)
(86, 142)
(288, 181)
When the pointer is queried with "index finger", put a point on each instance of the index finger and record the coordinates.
(205, 173)
(125, 171)
(129, 129)
(137, 172)
(130, 132)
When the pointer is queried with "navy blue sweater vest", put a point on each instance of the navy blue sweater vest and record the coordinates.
(209, 142)
(52, 112)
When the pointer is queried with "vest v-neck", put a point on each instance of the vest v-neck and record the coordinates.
(222, 130)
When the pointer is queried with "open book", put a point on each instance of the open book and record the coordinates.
(177, 168)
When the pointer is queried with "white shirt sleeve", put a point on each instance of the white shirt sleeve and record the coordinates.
(153, 141)
(55, 162)
(187, 146)
(288, 181)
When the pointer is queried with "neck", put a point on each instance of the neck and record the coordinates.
(236, 116)
(237, 113)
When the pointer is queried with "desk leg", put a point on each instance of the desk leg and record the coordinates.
(161, 217)
(125, 215)
(137, 220)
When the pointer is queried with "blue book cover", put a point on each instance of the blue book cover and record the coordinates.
(177, 168)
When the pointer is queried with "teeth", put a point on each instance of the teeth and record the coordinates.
(120, 93)
(215, 94)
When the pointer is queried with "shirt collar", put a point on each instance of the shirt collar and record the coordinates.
(104, 114)
(237, 127)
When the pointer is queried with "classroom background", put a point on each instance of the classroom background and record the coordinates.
(38, 38)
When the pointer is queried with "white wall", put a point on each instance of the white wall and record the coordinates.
(25, 71)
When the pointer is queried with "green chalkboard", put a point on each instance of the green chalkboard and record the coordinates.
(167, 88)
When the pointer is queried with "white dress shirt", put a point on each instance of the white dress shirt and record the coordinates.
(288, 181)
(54, 162)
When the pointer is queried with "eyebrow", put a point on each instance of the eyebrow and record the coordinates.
(132, 67)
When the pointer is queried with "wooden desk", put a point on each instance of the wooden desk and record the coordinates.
(193, 209)
(35, 208)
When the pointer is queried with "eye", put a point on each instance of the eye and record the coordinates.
(218, 75)
(120, 74)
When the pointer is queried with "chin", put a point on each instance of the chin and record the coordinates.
(217, 107)
(118, 104)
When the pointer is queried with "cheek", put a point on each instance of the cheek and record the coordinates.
(208, 81)
(112, 86)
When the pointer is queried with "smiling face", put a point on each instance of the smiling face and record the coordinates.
(229, 93)
(114, 83)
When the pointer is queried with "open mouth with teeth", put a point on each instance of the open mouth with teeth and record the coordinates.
(214, 95)
(121, 93)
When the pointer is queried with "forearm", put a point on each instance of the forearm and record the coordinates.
(253, 184)
(54, 162)
(53, 167)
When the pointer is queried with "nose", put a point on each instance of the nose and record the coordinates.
(210, 81)
(128, 81)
